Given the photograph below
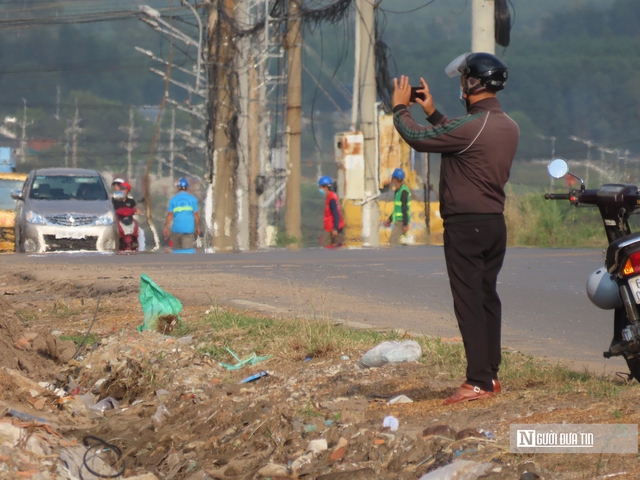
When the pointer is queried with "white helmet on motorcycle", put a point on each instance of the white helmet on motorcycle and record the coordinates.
(603, 290)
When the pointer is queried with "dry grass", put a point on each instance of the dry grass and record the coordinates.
(296, 339)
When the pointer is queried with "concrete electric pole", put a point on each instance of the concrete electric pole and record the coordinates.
(75, 129)
(294, 110)
(172, 149)
(221, 104)
(367, 92)
(130, 145)
(483, 26)
(253, 123)
(23, 136)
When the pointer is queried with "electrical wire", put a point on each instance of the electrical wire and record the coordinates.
(100, 443)
(408, 11)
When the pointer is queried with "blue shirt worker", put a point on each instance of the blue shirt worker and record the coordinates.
(183, 219)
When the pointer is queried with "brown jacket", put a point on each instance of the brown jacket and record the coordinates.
(477, 153)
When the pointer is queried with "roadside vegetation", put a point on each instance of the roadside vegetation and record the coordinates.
(244, 334)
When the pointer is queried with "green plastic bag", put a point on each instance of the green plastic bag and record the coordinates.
(156, 303)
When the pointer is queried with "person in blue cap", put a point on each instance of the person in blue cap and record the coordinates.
(401, 215)
(183, 219)
(333, 221)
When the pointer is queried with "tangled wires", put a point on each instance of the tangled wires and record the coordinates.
(502, 23)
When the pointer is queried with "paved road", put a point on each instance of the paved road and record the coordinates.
(546, 310)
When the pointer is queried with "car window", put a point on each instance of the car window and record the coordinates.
(6, 187)
(63, 187)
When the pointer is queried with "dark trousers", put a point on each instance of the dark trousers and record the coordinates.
(474, 252)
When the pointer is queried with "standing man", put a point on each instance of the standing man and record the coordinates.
(401, 215)
(333, 222)
(183, 218)
(477, 153)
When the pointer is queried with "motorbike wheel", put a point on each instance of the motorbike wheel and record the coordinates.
(634, 367)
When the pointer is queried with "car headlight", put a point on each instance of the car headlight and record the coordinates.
(106, 219)
(35, 218)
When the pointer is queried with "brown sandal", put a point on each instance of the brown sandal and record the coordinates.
(467, 393)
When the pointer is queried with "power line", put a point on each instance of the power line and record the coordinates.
(408, 11)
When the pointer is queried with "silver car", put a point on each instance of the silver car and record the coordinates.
(64, 209)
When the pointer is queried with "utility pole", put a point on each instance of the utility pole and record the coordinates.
(66, 147)
(23, 136)
(172, 150)
(367, 103)
(57, 115)
(483, 26)
(294, 109)
(75, 129)
(223, 156)
(159, 149)
(244, 66)
(131, 144)
(253, 124)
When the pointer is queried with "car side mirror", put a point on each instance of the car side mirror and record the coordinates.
(17, 195)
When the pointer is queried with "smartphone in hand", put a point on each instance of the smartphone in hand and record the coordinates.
(415, 94)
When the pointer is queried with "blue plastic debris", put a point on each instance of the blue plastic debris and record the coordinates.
(255, 377)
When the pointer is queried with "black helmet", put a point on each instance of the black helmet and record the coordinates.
(491, 72)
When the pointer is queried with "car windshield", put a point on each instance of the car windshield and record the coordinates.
(67, 187)
(6, 187)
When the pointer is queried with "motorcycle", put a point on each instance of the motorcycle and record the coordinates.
(128, 228)
(616, 286)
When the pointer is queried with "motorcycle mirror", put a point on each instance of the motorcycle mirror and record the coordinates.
(558, 168)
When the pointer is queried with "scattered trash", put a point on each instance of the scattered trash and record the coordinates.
(328, 423)
(391, 422)
(96, 386)
(460, 469)
(162, 394)
(158, 417)
(391, 353)
(400, 399)
(312, 427)
(274, 470)
(317, 446)
(255, 377)
(344, 357)
(104, 457)
(308, 359)
(25, 417)
(488, 434)
(251, 360)
(156, 303)
(105, 404)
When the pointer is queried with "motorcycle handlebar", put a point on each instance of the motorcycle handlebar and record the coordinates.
(557, 196)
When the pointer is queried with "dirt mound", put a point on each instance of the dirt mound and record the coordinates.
(52, 283)
(36, 353)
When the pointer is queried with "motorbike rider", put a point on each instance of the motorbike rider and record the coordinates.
(401, 215)
(122, 201)
(477, 153)
(125, 206)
